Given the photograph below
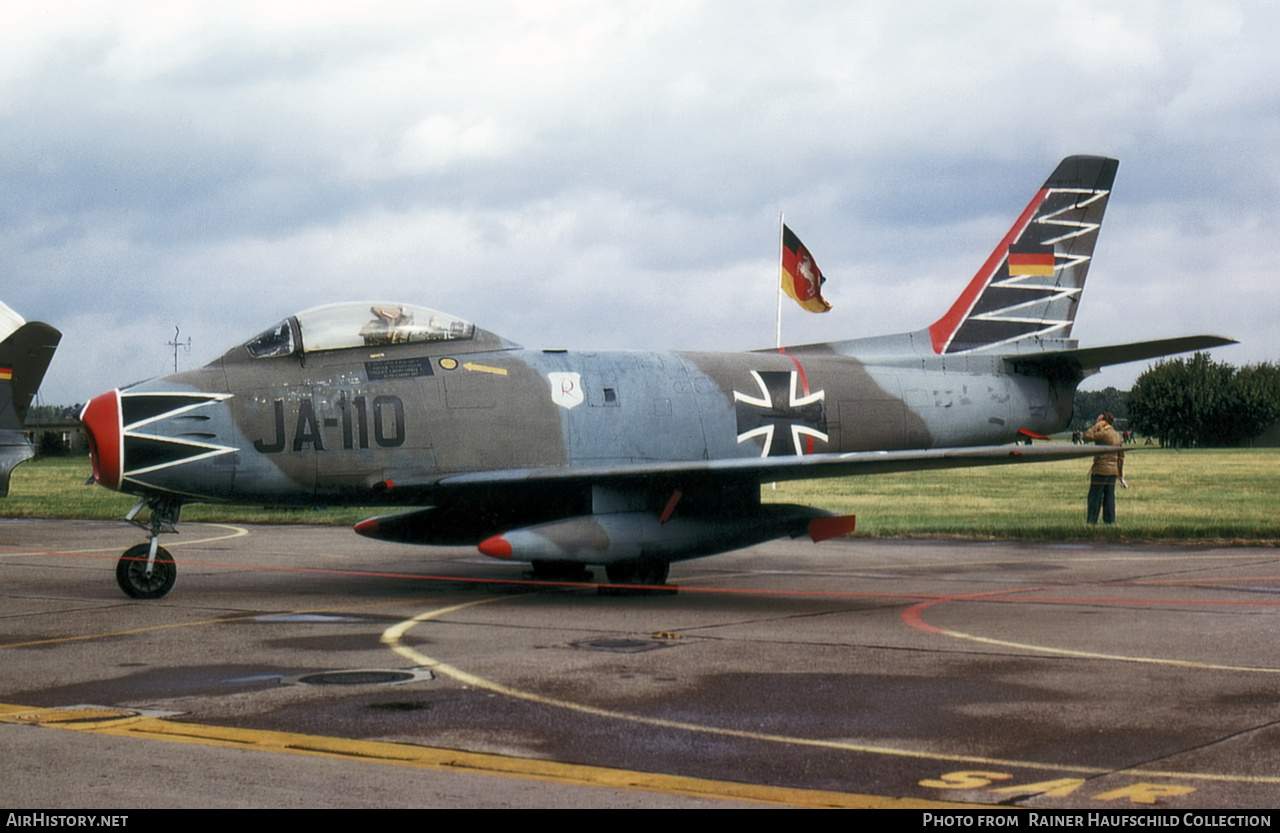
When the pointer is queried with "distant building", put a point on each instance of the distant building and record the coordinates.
(67, 432)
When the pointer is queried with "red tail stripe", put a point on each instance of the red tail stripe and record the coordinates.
(804, 385)
(941, 331)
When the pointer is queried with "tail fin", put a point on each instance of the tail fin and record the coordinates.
(1029, 288)
(25, 353)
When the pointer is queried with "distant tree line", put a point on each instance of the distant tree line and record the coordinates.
(1089, 403)
(45, 413)
(1200, 402)
(1190, 402)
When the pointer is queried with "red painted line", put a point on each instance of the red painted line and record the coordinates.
(1069, 600)
(911, 616)
(1004, 596)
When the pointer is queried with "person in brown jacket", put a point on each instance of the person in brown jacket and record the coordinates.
(1107, 468)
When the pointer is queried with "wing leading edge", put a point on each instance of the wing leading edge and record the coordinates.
(755, 469)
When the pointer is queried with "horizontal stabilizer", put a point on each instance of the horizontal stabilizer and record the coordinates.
(1060, 364)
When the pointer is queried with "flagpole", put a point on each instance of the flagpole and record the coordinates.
(777, 330)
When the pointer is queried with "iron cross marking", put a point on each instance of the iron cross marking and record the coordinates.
(780, 414)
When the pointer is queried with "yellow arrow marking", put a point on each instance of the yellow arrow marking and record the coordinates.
(484, 368)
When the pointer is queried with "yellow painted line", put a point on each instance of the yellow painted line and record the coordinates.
(913, 616)
(392, 636)
(484, 368)
(236, 532)
(118, 724)
(1067, 652)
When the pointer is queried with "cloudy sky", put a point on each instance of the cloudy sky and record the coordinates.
(610, 174)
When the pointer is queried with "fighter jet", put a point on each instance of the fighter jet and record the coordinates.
(26, 348)
(630, 460)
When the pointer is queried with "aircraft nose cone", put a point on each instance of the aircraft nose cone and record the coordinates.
(105, 428)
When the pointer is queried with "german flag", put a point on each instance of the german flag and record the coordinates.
(801, 277)
(6, 374)
(1031, 261)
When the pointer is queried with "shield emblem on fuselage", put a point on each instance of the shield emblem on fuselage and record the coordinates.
(566, 389)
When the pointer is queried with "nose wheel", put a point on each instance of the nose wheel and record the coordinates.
(142, 577)
(147, 571)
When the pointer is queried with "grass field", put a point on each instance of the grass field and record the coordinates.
(1215, 495)
(54, 488)
(1209, 496)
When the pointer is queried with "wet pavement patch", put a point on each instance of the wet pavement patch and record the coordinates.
(314, 618)
(363, 676)
(618, 645)
(404, 706)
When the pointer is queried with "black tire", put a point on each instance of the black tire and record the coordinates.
(560, 571)
(131, 573)
(646, 572)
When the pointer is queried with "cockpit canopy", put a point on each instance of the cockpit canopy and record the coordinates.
(339, 326)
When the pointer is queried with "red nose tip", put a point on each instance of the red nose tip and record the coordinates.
(103, 423)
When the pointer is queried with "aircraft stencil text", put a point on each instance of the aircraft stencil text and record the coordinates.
(355, 417)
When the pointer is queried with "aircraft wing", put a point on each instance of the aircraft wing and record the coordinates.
(758, 469)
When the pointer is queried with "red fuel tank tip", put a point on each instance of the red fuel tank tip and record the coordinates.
(495, 547)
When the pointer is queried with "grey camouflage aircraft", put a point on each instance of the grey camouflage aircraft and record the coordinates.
(26, 348)
(629, 460)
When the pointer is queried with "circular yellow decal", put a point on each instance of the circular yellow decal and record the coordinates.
(448, 364)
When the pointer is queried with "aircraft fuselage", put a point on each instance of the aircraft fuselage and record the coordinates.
(344, 426)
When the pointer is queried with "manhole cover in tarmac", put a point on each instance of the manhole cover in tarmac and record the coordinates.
(619, 645)
(357, 678)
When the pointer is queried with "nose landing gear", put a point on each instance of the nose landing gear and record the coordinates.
(147, 571)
